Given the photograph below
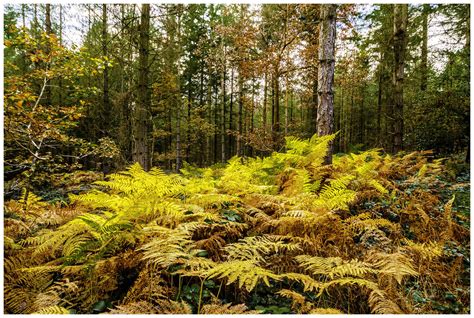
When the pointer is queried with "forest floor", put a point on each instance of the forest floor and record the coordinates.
(370, 233)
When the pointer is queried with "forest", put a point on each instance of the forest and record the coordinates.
(236, 158)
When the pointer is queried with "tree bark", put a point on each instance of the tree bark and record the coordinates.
(60, 43)
(400, 20)
(276, 123)
(179, 159)
(231, 115)
(264, 115)
(106, 102)
(286, 103)
(424, 49)
(223, 157)
(140, 152)
(379, 105)
(241, 105)
(327, 39)
(49, 31)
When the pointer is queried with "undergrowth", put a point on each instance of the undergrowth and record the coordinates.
(370, 233)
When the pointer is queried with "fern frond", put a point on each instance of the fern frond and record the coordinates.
(364, 222)
(256, 247)
(396, 265)
(326, 311)
(336, 195)
(348, 281)
(148, 286)
(428, 250)
(166, 306)
(309, 283)
(246, 273)
(53, 310)
(30, 200)
(448, 233)
(298, 301)
(334, 266)
(226, 309)
(168, 247)
(134, 308)
(381, 305)
(195, 265)
(145, 307)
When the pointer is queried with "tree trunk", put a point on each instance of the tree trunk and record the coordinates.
(424, 49)
(23, 6)
(188, 119)
(400, 19)
(272, 83)
(286, 104)
(140, 152)
(241, 105)
(379, 106)
(342, 133)
(179, 159)
(223, 158)
(61, 44)
(216, 124)
(209, 111)
(49, 31)
(231, 115)
(362, 117)
(276, 123)
(264, 115)
(351, 118)
(201, 114)
(106, 102)
(327, 39)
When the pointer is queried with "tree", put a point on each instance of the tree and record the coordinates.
(424, 48)
(40, 139)
(106, 101)
(327, 40)
(141, 146)
(400, 20)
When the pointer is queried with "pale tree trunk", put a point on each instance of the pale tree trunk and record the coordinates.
(327, 39)
(61, 44)
(400, 20)
(49, 31)
(140, 151)
(342, 133)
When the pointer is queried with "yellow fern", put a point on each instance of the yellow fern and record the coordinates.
(53, 310)
(334, 266)
(246, 273)
(256, 247)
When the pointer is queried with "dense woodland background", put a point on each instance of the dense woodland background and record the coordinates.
(223, 159)
(167, 84)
